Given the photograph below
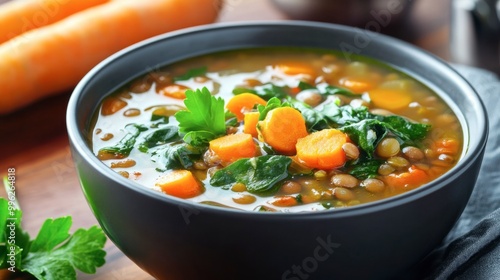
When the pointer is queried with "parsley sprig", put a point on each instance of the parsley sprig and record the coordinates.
(204, 118)
(54, 253)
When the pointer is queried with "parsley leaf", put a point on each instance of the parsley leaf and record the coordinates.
(48, 259)
(204, 117)
(54, 254)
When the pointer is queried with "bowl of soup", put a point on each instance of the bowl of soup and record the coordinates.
(289, 150)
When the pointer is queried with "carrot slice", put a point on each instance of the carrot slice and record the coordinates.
(179, 183)
(241, 103)
(284, 201)
(281, 129)
(17, 17)
(322, 149)
(448, 146)
(357, 84)
(390, 99)
(296, 68)
(233, 147)
(174, 91)
(50, 59)
(250, 121)
(413, 178)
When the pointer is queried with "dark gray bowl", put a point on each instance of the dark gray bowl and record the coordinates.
(174, 239)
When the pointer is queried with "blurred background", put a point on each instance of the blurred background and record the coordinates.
(460, 31)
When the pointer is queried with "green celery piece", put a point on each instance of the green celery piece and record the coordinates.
(192, 73)
(259, 174)
(55, 254)
(204, 117)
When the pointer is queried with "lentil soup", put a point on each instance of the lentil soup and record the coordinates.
(277, 129)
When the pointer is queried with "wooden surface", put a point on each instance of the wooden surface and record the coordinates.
(35, 143)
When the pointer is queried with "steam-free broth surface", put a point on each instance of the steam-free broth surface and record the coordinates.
(277, 129)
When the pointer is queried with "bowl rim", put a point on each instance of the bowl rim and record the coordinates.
(79, 143)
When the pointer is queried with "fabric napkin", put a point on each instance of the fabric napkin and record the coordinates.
(472, 249)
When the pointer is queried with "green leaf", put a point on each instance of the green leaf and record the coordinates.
(404, 129)
(366, 133)
(363, 169)
(191, 73)
(82, 251)
(271, 104)
(266, 91)
(315, 121)
(334, 90)
(174, 156)
(52, 233)
(126, 144)
(160, 137)
(259, 174)
(344, 115)
(325, 89)
(204, 115)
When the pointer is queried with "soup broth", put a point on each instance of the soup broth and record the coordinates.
(277, 129)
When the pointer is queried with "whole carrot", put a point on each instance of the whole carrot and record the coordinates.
(50, 59)
(19, 16)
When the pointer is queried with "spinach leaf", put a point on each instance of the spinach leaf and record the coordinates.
(333, 90)
(191, 73)
(266, 91)
(364, 168)
(344, 115)
(325, 89)
(366, 133)
(315, 121)
(160, 137)
(404, 129)
(126, 144)
(204, 117)
(174, 156)
(259, 174)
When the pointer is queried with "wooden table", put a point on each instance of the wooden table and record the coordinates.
(34, 140)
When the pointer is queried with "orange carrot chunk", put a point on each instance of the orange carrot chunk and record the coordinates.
(357, 84)
(448, 146)
(281, 129)
(296, 68)
(414, 177)
(174, 91)
(241, 103)
(390, 99)
(233, 147)
(250, 121)
(284, 201)
(50, 59)
(179, 183)
(322, 149)
(17, 17)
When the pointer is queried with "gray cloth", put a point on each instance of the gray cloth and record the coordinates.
(472, 249)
